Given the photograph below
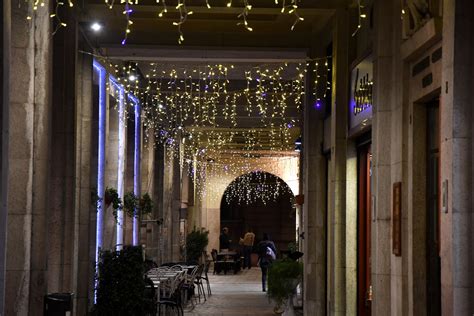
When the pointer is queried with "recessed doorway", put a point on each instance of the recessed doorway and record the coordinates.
(263, 202)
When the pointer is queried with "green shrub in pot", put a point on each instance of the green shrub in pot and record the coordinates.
(196, 242)
(283, 278)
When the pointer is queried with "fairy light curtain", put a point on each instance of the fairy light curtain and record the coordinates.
(199, 113)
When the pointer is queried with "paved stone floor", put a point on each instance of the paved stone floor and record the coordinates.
(235, 295)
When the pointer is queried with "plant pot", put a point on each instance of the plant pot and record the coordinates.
(290, 308)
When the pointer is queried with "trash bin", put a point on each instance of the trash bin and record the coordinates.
(58, 304)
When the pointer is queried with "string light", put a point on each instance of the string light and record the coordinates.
(291, 8)
(128, 10)
(360, 17)
(257, 186)
(59, 22)
(197, 113)
(244, 15)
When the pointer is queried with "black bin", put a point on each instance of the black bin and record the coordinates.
(58, 304)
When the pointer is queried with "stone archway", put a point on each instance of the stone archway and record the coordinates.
(263, 202)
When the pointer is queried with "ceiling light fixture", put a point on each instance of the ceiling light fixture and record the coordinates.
(96, 27)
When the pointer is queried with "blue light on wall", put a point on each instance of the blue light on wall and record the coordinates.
(100, 165)
(136, 164)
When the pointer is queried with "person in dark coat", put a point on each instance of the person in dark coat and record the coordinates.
(266, 256)
(224, 241)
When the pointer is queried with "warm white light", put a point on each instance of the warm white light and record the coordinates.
(96, 27)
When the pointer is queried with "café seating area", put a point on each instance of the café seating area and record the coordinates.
(226, 261)
(179, 286)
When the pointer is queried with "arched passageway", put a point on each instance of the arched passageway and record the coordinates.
(262, 202)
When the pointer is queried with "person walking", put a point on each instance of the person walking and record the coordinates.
(266, 256)
(248, 241)
(224, 241)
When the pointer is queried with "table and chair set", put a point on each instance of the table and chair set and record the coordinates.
(178, 286)
(225, 261)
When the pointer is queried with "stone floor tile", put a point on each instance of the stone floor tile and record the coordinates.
(235, 295)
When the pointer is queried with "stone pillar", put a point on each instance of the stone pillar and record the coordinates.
(381, 161)
(29, 120)
(121, 162)
(130, 170)
(338, 162)
(5, 13)
(351, 229)
(457, 221)
(61, 219)
(158, 198)
(175, 206)
(147, 236)
(112, 162)
(171, 205)
(83, 257)
(137, 147)
(314, 208)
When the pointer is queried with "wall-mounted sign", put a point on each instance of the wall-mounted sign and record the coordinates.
(360, 107)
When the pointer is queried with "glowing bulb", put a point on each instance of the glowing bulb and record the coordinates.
(132, 78)
(96, 27)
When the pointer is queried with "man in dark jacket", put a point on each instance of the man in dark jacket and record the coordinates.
(224, 241)
(266, 255)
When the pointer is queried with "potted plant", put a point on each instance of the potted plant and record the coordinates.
(196, 242)
(146, 204)
(111, 197)
(120, 286)
(130, 204)
(283, 278)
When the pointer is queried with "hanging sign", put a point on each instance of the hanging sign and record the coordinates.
(360, 107)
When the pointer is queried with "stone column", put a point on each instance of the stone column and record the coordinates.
(381, 161)
(86, 157)
(314, 208)
(61, 219)
(29, 120)
(158, 198)
(456, 114)
(338, 162)
(148, 160)
(137, 147)
(171, 205)
(5, 13)
(112, 162)
(175, 206)
(121, 162)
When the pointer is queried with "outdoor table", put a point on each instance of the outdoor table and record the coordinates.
(227, 260)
